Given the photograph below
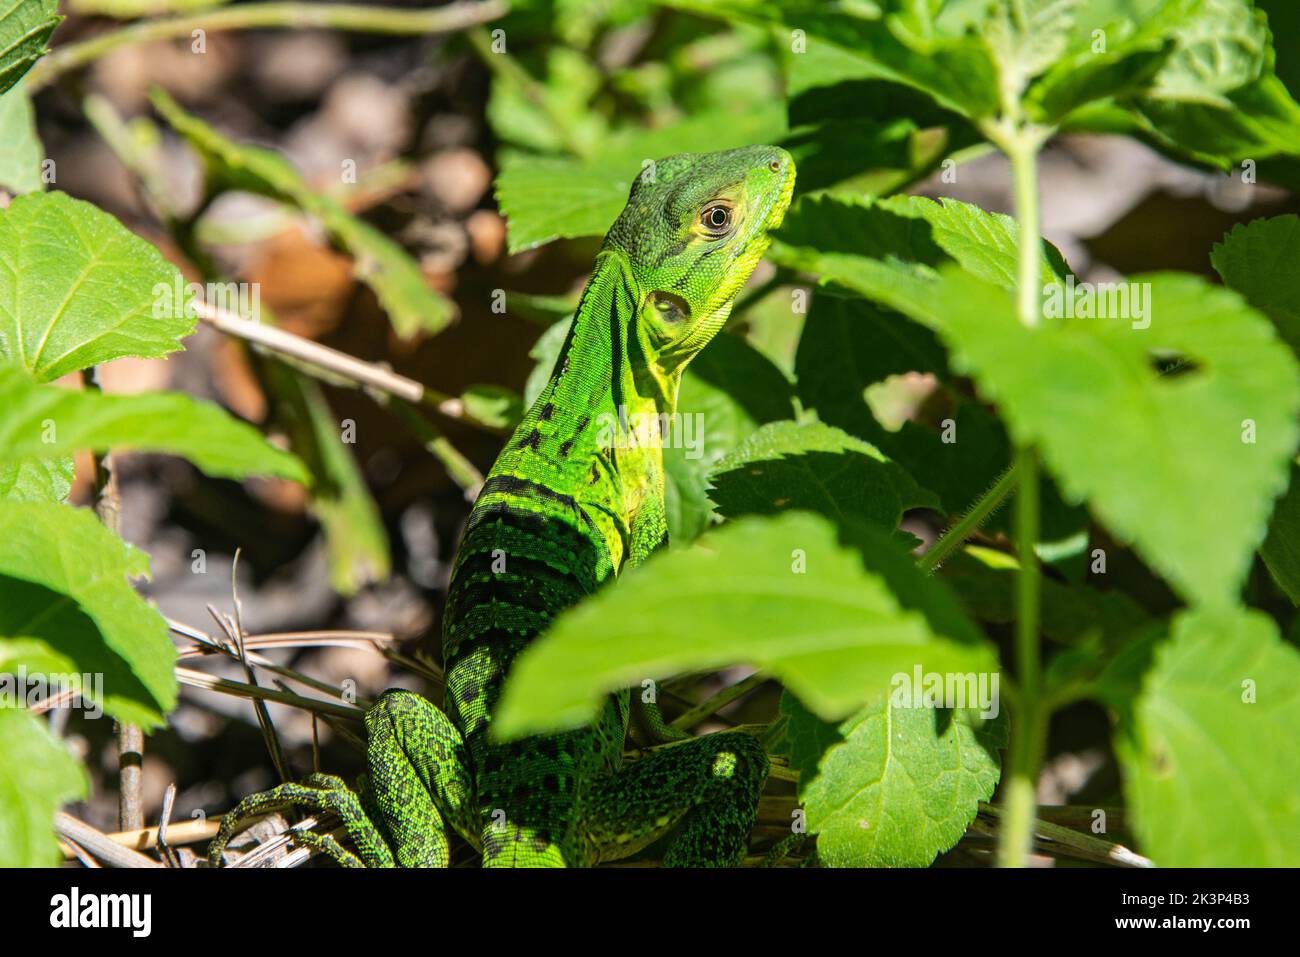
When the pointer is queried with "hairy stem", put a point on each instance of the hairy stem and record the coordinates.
(355, 17)
(968, 524)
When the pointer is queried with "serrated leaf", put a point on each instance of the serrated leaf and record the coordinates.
(835, 633)
(807, 736)
(545, 198)
(77, 288)
(64, 591)
(817, 468)
(1281, 549)
(40, 777)
(846, 122)
(25, 30)
(1262, 262)
(1146, 450)
(46, 421)
(1211, 762)
(20, 148)
(412, 305)
(889, 250)
(899, 786)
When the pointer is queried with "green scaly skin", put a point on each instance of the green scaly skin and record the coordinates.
(566, 507)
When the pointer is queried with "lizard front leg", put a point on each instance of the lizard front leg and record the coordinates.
(707, 788)
(321, 792)
(417, 779)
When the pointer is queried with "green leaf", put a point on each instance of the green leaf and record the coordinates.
(1026, 38)
(1262, 262)
(40, 777)
(1145, 449)
(63, 578)
(25, 29)
(545, 198)
(899, 786)
(493, 405)
(727, 391)
(77, 288)
(1222, 47)
(985, 583)
(554, 112)
(833, 622)
(848, 345)
(910, 46)
(46, 421)
(817, 468)
(807, 736)
(412, 305)
(847, 124)
(41, 480)
(1281, 549)
(888, 250)
(1117, 50)
(1260, 121)
(20, 148)
(1211, 762)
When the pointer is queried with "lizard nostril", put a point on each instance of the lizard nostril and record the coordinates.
(774, 166)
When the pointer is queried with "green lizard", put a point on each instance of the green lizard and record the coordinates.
(564, 509)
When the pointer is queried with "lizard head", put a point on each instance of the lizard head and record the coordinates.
(694, 228)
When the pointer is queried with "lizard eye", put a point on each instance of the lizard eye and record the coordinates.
(716, 218)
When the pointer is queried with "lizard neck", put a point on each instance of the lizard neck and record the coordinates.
(593, 434)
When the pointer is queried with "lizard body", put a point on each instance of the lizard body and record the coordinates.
(571, 501)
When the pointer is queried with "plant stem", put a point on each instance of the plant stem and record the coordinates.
(1029, 727)
(330, 16)
(313, 353)
(1024, 171)
(1029, 730)
(966, 526)
(130, 739)
(712, 705)
(461, 469)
